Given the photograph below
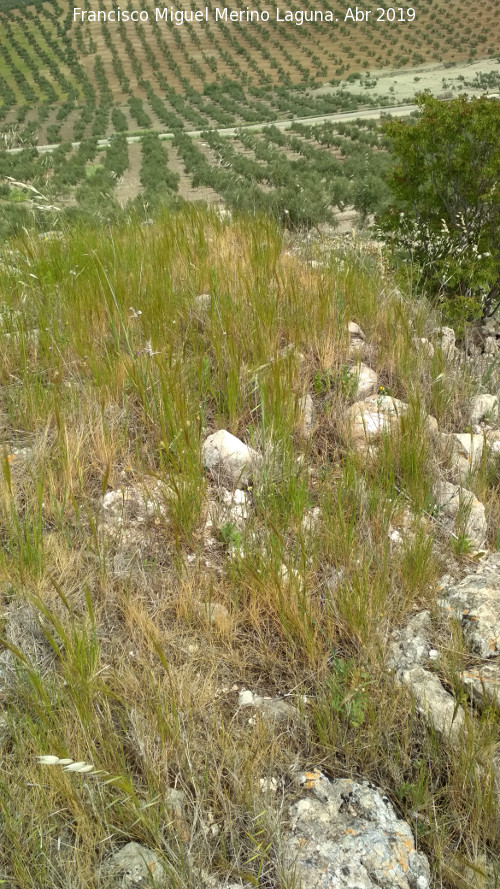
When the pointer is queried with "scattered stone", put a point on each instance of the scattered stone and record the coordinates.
(438, 706)
(174, 804)
(461, 512)
(22, 626)
(222, 212)
(289, 575)
(366, 381)
(233, 507)
(52, 235)
(134, 504)
(475, 602)
(490, 327)
(209, 881)
(19, 455)
(238, 504)
(127, 518)
(375, 415)
(133, 867)
(29, 336)
(291, 351)
(346, 835)
(175, 801)
(305, 415)
(395, 536)
(4, 728)
(484, 407)
(275, 709)
(228, 459)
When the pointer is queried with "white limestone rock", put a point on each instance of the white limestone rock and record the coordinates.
(305, 415)
(357, 338)
(484, 407)
(366, 381)
(475, 602)
(274, 709)
(409, 646)
(461, 512)
(482, 682)
(438, 706)
(228, 459)
(133, 867)
(490, 346)
(448, 347)
(466, 450)
(370, 418)
(345, 834)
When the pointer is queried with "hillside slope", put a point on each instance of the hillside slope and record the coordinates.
(201, 629)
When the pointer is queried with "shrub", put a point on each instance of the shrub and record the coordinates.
(446, 208)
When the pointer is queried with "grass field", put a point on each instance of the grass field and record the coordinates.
(182, 66)
(113, 372)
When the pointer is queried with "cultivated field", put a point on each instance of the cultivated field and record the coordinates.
(70, 84)
(179, 75)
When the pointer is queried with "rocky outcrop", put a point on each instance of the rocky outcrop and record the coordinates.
(409, 650)
(215, 615)
(461, 512)
(475, 602)
(482, 682)
(438, 707)
(228, 459)
(410, 644)
(346, 835)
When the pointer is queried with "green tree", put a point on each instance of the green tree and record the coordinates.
(446, 209)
